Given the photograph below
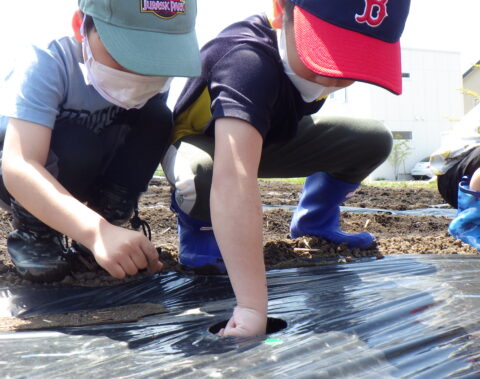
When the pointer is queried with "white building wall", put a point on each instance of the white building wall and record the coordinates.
(430, 103)
(471, 81)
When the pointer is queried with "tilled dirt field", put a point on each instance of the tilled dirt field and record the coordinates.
(396, 234)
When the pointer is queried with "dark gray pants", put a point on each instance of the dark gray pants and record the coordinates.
(347, 149)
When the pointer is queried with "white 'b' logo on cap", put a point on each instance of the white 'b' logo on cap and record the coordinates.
(374, 14)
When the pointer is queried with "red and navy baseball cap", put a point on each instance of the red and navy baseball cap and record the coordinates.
(352, 39)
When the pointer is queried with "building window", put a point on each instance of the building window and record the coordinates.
(405, 75)
(402, 135)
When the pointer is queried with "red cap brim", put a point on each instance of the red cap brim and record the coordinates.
(336, 52)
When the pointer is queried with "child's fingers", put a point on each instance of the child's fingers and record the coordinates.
(115, 270)
(154, 264)
(129, 266)
(139, 259)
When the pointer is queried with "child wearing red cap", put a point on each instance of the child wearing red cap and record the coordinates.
(253, 113)
(83, 127)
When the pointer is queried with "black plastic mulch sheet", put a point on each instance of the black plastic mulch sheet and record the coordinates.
(398, 317)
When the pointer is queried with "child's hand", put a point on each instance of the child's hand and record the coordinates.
(124, 252)
(245, 322)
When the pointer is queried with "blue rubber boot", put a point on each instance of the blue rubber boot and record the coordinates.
(198, 249)
(318, 211)
(466, 226)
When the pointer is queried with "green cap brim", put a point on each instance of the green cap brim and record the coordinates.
(150, 53)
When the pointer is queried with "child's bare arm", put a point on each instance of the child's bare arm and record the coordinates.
(475, 181)
(25, 153)
(237, 222)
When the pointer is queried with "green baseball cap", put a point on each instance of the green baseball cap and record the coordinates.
(150, 37)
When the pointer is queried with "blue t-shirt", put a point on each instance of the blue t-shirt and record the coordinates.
(49, 88)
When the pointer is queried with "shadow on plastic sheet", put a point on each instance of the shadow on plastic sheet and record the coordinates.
(402, 316)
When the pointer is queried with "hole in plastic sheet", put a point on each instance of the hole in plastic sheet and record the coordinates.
(273, 325)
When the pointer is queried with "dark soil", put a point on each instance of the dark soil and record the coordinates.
(396, 234)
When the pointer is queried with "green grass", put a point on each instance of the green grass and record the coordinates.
(377, 183)
(289, 180)
(159, 172)
(402, 183)
(374, 183)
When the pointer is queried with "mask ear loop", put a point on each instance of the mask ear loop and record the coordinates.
(82, 29)
(85, 42)
(87, 53)
(282, 48)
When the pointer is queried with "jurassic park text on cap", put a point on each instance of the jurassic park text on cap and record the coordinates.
(150, 37)
(352, 39)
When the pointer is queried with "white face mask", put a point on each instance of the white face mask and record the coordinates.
(125, 89)
(310, 91)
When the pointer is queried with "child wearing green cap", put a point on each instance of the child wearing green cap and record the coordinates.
(251, 114)
(84, 125)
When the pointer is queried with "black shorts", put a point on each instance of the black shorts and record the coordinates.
(448, 182)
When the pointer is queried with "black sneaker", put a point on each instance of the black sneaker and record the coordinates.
(36, 250)
(118, 205)
(114, 202)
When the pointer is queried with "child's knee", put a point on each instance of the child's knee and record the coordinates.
(382, 139)
(189, 169)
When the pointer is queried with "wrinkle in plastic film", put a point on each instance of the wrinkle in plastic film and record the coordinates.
(402, 316)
